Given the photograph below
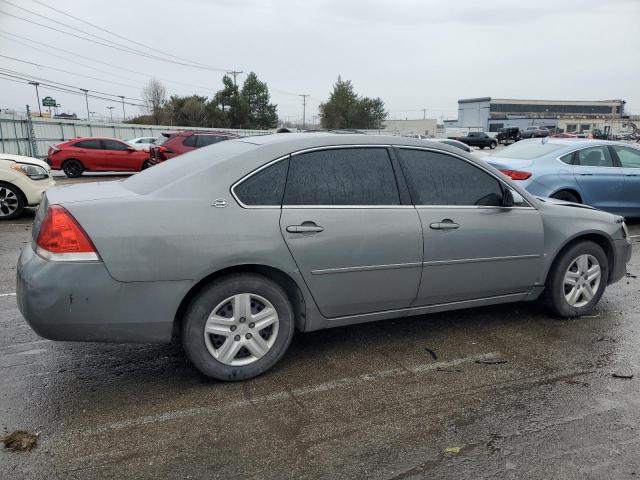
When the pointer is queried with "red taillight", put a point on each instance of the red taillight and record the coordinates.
(62, 238)
(53, 150)
(163, 149)
(516, 174)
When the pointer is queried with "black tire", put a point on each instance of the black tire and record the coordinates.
(146, 164)
(11, 197)
(554, 295)
(493, 145)
(72, 168)
(212, 295)
(566, 196)
(481, 147)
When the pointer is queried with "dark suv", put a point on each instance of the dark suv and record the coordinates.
(172, 144)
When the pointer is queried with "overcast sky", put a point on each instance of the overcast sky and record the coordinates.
(413, 54)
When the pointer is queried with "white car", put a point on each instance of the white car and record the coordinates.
(23, 180)
(141, 143)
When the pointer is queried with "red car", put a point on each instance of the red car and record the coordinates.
(177, 143)
(94, 154)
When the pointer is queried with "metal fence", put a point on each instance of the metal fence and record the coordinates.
(32, 136)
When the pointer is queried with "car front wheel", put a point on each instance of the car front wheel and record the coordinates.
(577, 280)
(493, 145)
(238, 327)
(12, 201)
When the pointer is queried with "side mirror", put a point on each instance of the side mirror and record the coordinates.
(507, 198)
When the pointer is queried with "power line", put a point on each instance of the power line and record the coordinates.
(154, 57)
(113, 33)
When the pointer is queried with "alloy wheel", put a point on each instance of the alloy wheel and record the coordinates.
(241, 329)
(8, 202)
(582, 280)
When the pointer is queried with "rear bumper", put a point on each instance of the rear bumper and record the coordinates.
(80, 301)
(622, 255)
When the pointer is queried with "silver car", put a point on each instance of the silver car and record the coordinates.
(235, 246)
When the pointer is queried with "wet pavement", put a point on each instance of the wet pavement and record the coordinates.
(521, 394)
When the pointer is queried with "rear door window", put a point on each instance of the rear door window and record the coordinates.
(594, 157)
(190, 141)
(441, 179)
(113, 145)
(94, 144)
(342, 176)
(204, 140)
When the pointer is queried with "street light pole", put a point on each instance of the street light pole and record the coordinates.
(124, 115)
(304, 108)
(35, 84)
(86, 98)
(111, 113)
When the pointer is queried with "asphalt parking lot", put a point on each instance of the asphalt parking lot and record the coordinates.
(496, 392)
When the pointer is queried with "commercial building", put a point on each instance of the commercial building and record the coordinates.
(490, 114)
(426, 127)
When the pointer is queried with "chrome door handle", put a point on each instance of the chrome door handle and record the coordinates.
(306, 227)
(445, 224)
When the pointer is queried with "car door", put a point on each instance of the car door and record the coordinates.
(355, 240)
(600, 178)
(473, 246)
(118, 156)
(629, 159)
(90, 153)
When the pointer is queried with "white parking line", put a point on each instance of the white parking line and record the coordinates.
(7, 294)
(285, 394)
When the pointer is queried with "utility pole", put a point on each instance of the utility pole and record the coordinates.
(424, 113)
(86, 97)
(35, 84)
(304, 108)
(234, 73)
(111, 113)
(124, 115)
(55, 109)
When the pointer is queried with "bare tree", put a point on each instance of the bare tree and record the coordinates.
(154, 95)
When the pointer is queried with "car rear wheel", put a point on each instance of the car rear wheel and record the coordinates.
(566, 196)
(577, 280)
(146, 164)
(12, 201)
(72, 168)
(493, 145)
(238, 327)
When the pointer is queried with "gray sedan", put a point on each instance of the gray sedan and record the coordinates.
(235, 246)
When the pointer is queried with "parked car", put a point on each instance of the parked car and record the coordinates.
(142, 142)
(95, 154)
(177, 143)
(599, 173)
(23, 181)
(477, 139)
(241, 243)
(564, 135)
(508, 135)
(534, 131)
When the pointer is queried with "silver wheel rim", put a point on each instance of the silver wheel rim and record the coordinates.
(582, 280)
(8, 202)
(241, 329)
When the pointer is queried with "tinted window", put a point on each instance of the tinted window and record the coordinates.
(568, 158)
(264, 187)
(349, 176)
(113, 145)
(594, 157)
(92, 144)
(204, 140)
(629, 157)
(440, 179)
(190, 141)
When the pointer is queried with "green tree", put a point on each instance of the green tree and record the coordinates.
(255, 94)
(345, 109)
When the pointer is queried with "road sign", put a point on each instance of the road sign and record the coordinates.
(48, 102)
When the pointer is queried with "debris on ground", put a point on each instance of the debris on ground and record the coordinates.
(433, 354)
(622, 374)
(20, 441)
(443, 369)
(452, 451)
(492, 361)
(631, 275)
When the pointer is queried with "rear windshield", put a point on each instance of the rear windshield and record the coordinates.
(187, 164)
(528, 150)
